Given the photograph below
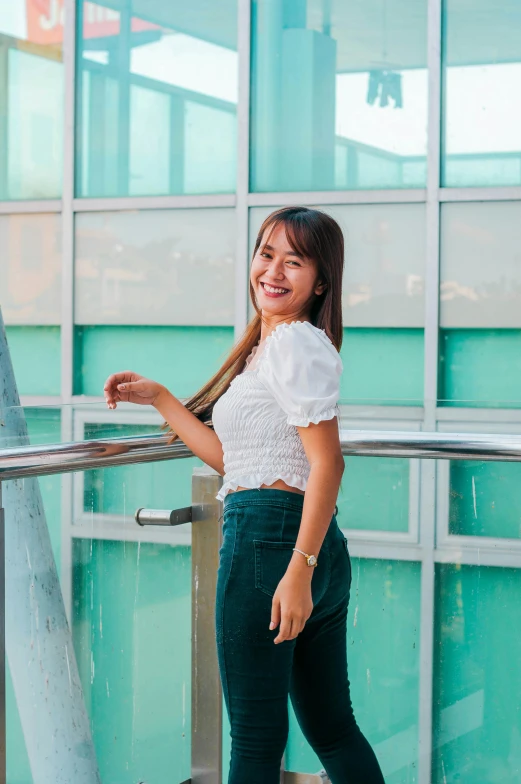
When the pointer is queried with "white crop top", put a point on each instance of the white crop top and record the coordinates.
(295, 381)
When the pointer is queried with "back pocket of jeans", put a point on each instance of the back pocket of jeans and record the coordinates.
(272, 560)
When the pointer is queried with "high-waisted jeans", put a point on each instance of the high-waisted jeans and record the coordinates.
(260, 528)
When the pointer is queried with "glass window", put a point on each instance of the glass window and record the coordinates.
(154, 291)
(169, 267)
(30, 296)
(156, 98)
(31, 99)
(481, 99)
(30, 275)
(339, 95)
(476, 722)
(480, 304)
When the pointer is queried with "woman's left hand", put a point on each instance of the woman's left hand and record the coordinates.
(291, 606)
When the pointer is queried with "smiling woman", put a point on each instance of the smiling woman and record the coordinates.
(272, 430)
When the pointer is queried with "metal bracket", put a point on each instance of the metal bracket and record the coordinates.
(163, 516)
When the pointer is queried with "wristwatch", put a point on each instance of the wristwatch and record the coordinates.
(311, 559)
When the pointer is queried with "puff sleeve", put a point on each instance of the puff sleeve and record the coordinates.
(302, 369)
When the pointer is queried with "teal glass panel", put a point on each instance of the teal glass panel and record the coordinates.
(182, 358)
(17, 760)
(481, 103)
(384, 678)
(123, 489)
(382, 367)
(156, 98)
(131, 629)
(480, 368)
(374, 494)
(477, 681)
(484, 499)
(35, 353)
(339, 95)
(31, 100)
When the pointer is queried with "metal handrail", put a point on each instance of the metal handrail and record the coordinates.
(20, 462)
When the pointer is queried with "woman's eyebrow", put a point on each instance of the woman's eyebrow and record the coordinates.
(289, 253)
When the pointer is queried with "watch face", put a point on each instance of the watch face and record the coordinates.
(312, 560)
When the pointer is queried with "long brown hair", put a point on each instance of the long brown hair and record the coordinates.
(314, 235)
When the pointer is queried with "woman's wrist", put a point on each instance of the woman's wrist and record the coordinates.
(298, 566)
(161, 397)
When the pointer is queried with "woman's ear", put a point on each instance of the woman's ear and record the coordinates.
(320, 288)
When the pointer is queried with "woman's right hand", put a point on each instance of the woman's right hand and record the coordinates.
(129, 387)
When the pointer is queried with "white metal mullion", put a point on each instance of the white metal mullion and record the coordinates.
(67, 294)
(243, 169)
(431, 337)
(121, 203)
(30, 206)
(391, 196)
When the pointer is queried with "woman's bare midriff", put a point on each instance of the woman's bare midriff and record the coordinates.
(278, 485)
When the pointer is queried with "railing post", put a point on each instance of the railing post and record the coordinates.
(206, 685)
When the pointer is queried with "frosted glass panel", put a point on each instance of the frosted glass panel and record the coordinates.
(480, 270)
(482, 103)
(339, 94)
(156, 98)
(155, 267)
(30, 269)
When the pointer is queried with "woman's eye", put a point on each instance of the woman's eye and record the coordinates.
(292, 261)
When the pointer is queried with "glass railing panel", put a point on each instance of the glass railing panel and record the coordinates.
(127, 592)
(477, 646)
(131, 629)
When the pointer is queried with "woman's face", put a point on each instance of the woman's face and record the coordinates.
(282, 280)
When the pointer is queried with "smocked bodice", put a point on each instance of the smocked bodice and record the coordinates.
(294, 381)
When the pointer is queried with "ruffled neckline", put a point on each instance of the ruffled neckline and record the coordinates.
(275, 335)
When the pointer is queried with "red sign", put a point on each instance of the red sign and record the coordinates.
(45, 20)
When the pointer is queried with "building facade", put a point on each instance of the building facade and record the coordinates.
(141, 145)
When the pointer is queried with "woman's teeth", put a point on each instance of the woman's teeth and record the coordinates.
(273, 290)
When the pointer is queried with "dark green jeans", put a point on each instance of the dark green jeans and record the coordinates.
(260, 528)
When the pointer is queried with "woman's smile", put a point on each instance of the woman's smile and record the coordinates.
(274, 291)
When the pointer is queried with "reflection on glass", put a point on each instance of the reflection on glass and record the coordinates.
(31, 99)
(477, 722)
(156, 98)
(339, 95)
(482, 103)
(169, 267)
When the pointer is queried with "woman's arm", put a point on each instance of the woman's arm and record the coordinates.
(292, 604)
(130, 387)
(201, 439)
